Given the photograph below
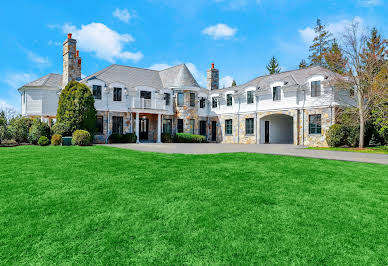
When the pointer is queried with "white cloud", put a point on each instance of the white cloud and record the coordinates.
(159, 66)
(16, 80)
(122, 14)
(370, 3)
(220, 31)
(226, 82)
(336, 28)
(40, 61)
(106, 43)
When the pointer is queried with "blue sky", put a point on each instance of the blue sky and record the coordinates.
(239, 36)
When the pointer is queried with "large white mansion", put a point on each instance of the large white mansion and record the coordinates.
(290, 107)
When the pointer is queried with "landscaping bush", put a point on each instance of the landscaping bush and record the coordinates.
(122, 138)
(3, 127)
(61, 129)
(37, 130)
(189, 138)
(43, 141)
(167, 138)
(353, 136)
(336, 135)
(56, 140)
(81, 138)
(18, 128)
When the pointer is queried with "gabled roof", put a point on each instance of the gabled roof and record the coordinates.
(50, 80)
(178, 76)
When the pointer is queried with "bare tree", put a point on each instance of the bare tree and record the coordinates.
(8, 113)
(360, 78)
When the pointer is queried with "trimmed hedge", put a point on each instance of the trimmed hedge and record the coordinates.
(122, 138)
(336, 135)
(56, 140)
(61, 129)
(37, 130)
(189, 138)
(43, 141)
(81, 138)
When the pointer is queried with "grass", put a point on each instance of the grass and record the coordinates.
(102, 205)
(378, 149)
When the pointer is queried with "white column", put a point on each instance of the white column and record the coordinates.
(137, 127)
(159, 129)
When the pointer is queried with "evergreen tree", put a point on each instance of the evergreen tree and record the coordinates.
(76, 108)
(273, 66)
(375, 53)
(234, 83)
(320, 45)
(302, 64)
(335, 60)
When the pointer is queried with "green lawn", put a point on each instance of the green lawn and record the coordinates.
(102, 205)
(379, 149)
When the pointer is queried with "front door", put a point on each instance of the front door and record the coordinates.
(143, 129)
(266, 131)
(202, 128)
(214, 131)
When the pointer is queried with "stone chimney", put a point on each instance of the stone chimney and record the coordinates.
(213, 78)
(71, 65)
(78, 68)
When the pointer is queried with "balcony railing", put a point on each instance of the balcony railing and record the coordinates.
(141, 103)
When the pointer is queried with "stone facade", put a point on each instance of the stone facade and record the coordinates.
(188, 113)
(212, 78)
(71, 70)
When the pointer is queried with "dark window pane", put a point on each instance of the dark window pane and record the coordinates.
(167, 97)
(100, 125)
(145, 95)
(97, 92)
(228, 127)
(250, 97)
(315, 88)
(192, 126)
(180, 99)
(202, 128)
(117, 125)
(214, 102)
(276, 93)
(315, 126)
(229, 100)
(117, 94)
(249, 126)
(202, 103)
(167, 126)
(180, 126)
(192, 99)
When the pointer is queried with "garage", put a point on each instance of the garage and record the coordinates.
(276, 129)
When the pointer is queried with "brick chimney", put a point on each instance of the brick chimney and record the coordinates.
(71, 64)
(213, 78)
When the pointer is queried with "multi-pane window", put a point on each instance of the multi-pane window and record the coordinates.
(117, 126)
(192, 99)
(100, 125)
(315, 126)
(192, 126)
(249, 126)
(276, 93)
(315, 88)
(167, 126)
(214, 102)
(202, 127)
(167, 97)
(180, 99)
(250, 97)
(117, 93)
(229, 100)
(228, 127)
(97, 92)
(202, 102)
(180, 126)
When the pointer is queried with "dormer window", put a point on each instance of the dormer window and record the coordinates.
(316, 88)
(276, 96)
(214, 102)
(202, 102)
(117, 94)
(250, 97)
(97, 92)
(229, 100)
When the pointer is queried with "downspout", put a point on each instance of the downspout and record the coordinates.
(108, 120)
(256, 99)
(238, 120)
(304, 100)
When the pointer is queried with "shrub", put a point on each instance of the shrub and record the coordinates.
(76, 107)
(61, 129)
(37, 130)
(353, 136)
(167, 138)
(56, 140)
(81, 138)
(3, 127)
(189, 138)
(119, 138)
(43, 141)
(18, 128)
(336, 135)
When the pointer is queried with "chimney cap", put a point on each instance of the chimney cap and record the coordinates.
(77, 53)
(69, 35)
(212, 65)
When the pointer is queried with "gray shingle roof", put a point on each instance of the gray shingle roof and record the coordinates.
(177, 76)
(50, 80)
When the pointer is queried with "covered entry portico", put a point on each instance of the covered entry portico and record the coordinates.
(148, 126)
(278, 127)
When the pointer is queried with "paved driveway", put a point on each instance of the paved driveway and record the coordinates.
(281, 149)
